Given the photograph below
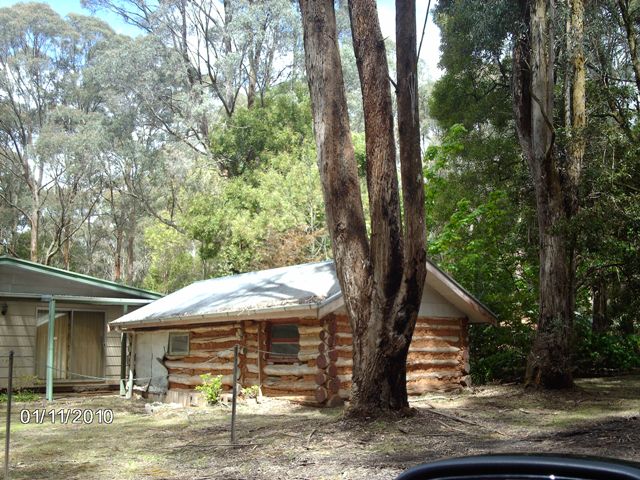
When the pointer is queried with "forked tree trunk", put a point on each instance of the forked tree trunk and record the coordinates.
(548, 364)
(381, 278)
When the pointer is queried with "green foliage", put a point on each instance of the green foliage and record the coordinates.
(21, 396)
(269, 211)
(477, 232)
(604, 353)
(174, 262)
(211, 388)
(252, 136)
(21, 390)
(250, 392)
(499, 353)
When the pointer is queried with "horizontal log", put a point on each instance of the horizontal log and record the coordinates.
(193, 380)
(444, 349)
(310, 330)
(198, 365)
(432, 362)
(343, 328)
(200, 355)
(213, 335)
(197, 341)
(442, 374)
(286, 369)
(179, 386)
(445, 338)
(344, 362)
(291, 386)
(216, 328)
(304, 356)
(343, 370)
(213, 345)
(308, 395)
(435, 342)
(343, 341)
(308, 342)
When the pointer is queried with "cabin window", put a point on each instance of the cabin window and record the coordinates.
(179, 343)
(284, 341)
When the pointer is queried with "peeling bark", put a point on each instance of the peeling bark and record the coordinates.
(548, 364)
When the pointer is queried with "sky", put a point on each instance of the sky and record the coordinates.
(386, 11)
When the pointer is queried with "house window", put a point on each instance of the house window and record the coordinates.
(284, 341)
(179, 344)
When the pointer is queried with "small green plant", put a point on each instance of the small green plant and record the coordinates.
(20, 396)
(211, 387)
(250, 392)
(20, 391)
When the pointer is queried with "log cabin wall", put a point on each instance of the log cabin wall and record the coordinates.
(210, 351)
(438, 358)
(292, 378)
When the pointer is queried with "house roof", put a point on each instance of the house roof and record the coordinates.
(21, 277)
(307, 290)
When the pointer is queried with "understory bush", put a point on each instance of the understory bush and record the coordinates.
(211, 388)
(604, 353)
(499, 353)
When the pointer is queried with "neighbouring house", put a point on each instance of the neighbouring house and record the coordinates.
(83, 352)
(294, 335)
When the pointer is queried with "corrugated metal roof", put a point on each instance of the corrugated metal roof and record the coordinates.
(58, 274)
(308, 290)
(309, 284)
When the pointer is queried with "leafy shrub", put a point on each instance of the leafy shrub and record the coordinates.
(601, 353)
(250, 392)
(499, 353)
(211, 387)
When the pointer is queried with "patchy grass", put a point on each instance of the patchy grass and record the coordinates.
(283, 440)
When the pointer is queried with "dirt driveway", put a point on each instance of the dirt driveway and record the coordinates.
(288, 441)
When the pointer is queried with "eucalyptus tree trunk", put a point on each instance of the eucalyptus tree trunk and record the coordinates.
(626, 8)
(533, 85)
(382, 278)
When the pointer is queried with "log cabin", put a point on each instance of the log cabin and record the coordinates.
(293, 334)
(80, 353)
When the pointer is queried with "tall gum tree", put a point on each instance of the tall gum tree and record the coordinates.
(555, 180)
(382, 277)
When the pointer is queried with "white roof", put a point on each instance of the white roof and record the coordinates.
(308, 290)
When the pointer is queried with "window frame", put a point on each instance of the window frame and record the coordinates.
(179, 354)
(282, 358)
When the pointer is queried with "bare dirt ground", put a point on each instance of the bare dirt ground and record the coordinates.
(281, 440)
